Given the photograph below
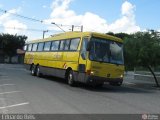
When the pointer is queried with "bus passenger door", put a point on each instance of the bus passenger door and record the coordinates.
(82, 60)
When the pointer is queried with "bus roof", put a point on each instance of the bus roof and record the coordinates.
(68, 35)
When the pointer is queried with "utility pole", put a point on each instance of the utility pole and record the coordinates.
(72, 28)
(44, 31)
(82, 28)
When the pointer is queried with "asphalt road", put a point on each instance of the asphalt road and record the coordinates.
(22, 93)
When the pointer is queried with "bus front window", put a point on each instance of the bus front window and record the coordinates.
(103, 50)
(116, 53)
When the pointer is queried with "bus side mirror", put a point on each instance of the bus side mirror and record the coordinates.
(89, 46)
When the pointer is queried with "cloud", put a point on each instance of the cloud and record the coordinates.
(127, 9)
(127, 22)
(11, 24)
(62, 14)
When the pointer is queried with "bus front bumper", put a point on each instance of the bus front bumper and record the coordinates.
(99, 80)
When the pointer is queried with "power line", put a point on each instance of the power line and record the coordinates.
(28, 18)
(21, 16)
(28, 29)
(41, 21)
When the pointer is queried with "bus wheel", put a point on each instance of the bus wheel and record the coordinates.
(70, 78)
(115, 83)
(33, 70)
(99, 85)
(38, 72)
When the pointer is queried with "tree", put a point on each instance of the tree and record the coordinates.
(119, 35)
(142, 49)
(11, 43)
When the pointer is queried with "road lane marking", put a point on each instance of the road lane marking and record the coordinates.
(5, 80)
(9, 92)
(15, 105)
(15, 68)
(6, 84)
(4, 76)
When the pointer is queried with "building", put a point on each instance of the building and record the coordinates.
(15, 59)
(1, 54)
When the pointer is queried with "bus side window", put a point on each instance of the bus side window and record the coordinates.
(47, 46)
(67, 43)
(74, 43)
(29, 47)
(34, 48)
(40, 46)
(62, 45)
(84, 48)
(55, 45)
(25, 48)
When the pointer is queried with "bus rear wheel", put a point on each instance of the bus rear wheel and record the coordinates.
(33, 70)
(38, 72)
(70, 78)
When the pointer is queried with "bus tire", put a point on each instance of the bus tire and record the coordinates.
(33, 70)
(70, 78)
(38, 72)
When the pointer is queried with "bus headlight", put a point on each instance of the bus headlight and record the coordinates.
(121, 76)
(92, 73)
(89, 72)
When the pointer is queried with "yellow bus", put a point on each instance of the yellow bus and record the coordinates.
(87, 57)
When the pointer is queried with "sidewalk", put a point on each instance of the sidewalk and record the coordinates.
(12, 66)
(129, 79)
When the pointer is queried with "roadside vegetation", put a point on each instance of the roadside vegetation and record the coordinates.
(10, 43)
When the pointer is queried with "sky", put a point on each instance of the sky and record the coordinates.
(102, 16)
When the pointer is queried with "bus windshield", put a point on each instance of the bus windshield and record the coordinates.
(103, 50)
